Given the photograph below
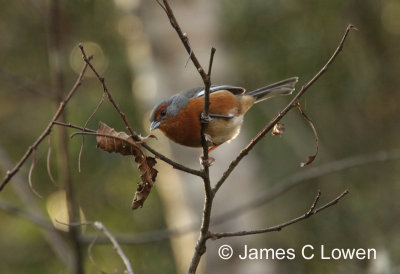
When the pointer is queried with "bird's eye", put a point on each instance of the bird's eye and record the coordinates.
(163, 112)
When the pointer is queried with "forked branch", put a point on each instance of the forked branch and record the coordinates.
(312, 211)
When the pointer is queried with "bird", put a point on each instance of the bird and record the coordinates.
(179, 117)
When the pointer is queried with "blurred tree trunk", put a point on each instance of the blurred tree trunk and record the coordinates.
(56, 65)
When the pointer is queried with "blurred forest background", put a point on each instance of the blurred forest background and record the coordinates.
(355, 107)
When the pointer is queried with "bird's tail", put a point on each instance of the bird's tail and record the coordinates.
(285, 87)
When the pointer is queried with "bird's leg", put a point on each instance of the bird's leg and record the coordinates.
(210, 160)
(212, 148)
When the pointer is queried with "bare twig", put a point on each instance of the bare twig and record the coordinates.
(279, 227)
(12, 172)
(90, 254)
(184, 38)
(74, 126)
(110, 98)
(100, 227)
(84, 127)
(310, 211)
(282, 113)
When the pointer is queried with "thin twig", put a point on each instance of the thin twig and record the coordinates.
(310, 211)
(90, 254)
(73, 126)
(12, 172)
(279, 227)
(184, 38)
(100, 227)
(282, 113)
(110, 98)
(84, 127)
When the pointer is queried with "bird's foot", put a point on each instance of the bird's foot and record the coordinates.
(205, 119)
(207, 163)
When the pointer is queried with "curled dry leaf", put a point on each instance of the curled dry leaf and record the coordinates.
(112, 141)
(278, 129)
(310, 158)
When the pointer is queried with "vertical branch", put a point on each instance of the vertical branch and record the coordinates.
(200, 248)
(55, 63)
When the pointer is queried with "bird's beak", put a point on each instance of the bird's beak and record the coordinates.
(154, 125)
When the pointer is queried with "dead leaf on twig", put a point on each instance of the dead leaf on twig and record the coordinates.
(310, 158)
(112, 141)
(278, 129)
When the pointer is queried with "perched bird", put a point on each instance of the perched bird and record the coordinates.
(179, 116)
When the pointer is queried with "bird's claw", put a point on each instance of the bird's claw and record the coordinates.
(208, 138)
(207, 163)
(205, 118)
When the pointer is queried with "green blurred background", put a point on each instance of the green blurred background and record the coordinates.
(355, 108)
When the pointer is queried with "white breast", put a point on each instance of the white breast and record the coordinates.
(224, 130)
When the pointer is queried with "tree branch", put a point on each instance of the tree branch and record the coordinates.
(312, 211)
(184, 38)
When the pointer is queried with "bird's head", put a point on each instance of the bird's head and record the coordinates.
(165, 110)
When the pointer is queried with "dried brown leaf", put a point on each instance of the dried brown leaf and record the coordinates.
(278, 129)
(112, 141)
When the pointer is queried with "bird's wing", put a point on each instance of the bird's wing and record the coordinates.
(235, 90)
